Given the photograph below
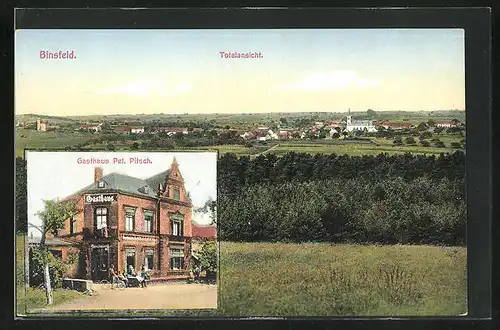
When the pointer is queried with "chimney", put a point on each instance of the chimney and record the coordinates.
(97, 174)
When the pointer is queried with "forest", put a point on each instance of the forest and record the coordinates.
(399, 199)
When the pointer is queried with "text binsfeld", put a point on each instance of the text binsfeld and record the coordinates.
(45, 54)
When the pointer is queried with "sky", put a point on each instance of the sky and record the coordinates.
(182, 71)
(54, 175)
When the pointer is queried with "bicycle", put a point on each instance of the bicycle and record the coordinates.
(118, 283)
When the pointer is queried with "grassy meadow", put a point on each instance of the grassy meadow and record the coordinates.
(29, 138)
(317, 279)
(278, 279)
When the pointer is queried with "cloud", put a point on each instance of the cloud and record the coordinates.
(147, 87)
(337, 80)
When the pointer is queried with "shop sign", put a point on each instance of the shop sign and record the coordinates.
(100, 198)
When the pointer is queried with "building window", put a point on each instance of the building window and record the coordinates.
(101, 217)
(148, 221)
(149, 259)
(177, 194)
(129, 258)
(100, 184)
(177, 224)
(176, 259)
(129, 219)
(72, 224)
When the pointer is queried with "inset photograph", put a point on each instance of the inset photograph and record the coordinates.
(119, 231)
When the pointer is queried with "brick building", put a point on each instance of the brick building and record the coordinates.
(127, 221)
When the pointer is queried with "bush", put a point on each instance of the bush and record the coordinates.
(410, 140)
(57, 267)
(425, 135)
(439, 144)
(425, 143)
(397, 141)
(456, 145)
(208, 258)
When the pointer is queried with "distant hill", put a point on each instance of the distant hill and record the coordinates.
(246, 117)
(31, 117)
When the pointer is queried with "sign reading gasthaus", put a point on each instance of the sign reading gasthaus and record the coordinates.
(100, 198)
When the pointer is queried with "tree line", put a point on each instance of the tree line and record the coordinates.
(406, 199)
(234, 172)
(385, 211)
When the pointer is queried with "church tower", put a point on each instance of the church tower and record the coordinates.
(349, 117)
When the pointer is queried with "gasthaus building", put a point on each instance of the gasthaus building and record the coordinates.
(130, 221)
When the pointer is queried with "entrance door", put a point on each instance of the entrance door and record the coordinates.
(130, 255)
(100, 256)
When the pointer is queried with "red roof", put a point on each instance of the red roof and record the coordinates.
(204, 231)
(392, 124)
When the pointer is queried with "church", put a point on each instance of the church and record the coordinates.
(359, 125)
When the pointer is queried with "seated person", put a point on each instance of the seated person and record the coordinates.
(131, 271)
(123, 277)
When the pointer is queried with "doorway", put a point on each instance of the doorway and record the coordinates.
(130, 258)
(100, 263)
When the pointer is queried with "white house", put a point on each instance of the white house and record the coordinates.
(137, 130)
(87, 127)
(271, 135)
(446, 124)
(42, 125)
(247, 135)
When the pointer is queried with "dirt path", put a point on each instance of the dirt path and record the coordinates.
(268, 150)
(159, 296)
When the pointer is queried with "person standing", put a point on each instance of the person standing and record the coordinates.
(196, 273)
(144, 275)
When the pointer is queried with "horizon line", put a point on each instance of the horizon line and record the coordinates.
(225, 113)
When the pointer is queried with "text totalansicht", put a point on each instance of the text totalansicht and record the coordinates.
(241, 55)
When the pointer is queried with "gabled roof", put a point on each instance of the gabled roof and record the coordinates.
(155, 180)
(127, 184)
(204, 231)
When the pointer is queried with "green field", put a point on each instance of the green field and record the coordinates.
(277, 279)
(266, 279)
(354, 148)
(29, 138)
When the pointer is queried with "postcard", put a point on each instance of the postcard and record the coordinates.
(340, 171)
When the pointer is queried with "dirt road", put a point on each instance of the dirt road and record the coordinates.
(158, 296)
